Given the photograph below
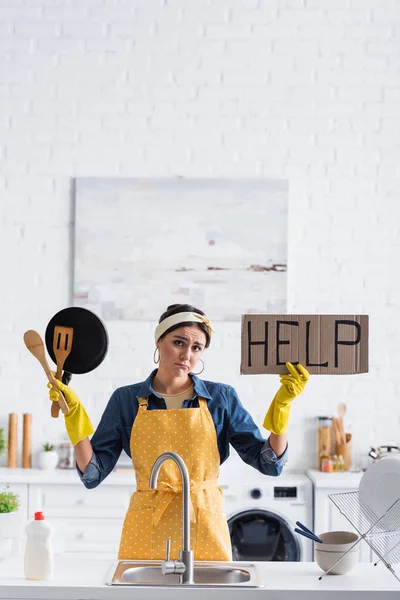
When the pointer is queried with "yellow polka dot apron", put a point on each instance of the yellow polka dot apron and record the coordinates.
(156, 515)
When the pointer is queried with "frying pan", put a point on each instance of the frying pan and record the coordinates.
(90, 341)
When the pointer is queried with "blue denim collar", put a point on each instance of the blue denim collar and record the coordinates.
(200, 388)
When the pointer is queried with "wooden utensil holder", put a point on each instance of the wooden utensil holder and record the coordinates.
(324, 443)
(345, 450)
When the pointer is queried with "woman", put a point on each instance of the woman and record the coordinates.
(174, 410)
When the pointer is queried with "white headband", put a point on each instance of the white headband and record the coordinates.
(182, 317)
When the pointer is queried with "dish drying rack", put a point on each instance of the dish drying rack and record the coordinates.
(382, 534)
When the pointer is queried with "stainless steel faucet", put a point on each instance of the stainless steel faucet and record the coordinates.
(183, 566)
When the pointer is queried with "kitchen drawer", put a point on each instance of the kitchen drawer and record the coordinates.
(76, 501)
(87, 535)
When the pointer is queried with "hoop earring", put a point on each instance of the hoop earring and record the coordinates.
(154, 356)
(202, 361)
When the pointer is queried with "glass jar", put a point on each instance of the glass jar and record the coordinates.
(327, 465)
(67, 456)
(324, 449)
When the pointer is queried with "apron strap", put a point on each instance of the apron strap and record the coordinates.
(168, 492)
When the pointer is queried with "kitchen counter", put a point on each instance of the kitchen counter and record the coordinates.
(60, 476)
(344, 481)
(83, 578)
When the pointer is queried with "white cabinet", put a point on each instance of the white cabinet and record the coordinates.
(84, 520)
(74, 500)
(91, 520)
(100, 536)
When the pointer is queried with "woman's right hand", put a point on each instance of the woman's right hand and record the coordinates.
(69, 394)
(77, 422)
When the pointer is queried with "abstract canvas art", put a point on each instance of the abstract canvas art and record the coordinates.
(141, 244)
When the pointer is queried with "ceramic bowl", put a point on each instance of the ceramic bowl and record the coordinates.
(337, 541)
(326, 560)
(336, 544)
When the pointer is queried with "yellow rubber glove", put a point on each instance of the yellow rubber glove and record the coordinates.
(77, 422)
(292, 384)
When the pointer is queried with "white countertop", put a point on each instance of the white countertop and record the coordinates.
(70, 476)
(60, 476)
(347, 480)
(83, 578)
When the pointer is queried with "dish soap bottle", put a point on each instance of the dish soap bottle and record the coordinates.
(38, 562)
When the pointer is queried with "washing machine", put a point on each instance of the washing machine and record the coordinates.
(262, 512)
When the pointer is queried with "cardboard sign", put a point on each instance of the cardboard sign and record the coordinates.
(324, 344)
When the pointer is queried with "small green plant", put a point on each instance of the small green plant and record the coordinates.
(3, 444)
(47, 447)
(9, 502)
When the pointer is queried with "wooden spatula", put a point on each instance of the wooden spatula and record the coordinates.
(35, 345)
(341, 413)
(62, 344)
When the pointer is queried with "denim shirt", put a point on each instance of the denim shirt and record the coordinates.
(233, 425)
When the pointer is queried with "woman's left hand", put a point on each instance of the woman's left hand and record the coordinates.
(292, 384)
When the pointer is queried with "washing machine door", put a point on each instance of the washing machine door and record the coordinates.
(262, 535)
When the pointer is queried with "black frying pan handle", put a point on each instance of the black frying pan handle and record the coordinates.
(66, 378)
(389, 448)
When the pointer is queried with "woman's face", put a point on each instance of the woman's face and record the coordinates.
(181, 349)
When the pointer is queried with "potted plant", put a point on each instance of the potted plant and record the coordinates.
(48, 457)
(10, 515)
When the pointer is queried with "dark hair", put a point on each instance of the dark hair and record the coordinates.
(173, 309)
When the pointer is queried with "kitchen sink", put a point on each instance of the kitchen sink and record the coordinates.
(206, 574)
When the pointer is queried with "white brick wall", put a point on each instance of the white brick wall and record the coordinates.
(302, 89)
